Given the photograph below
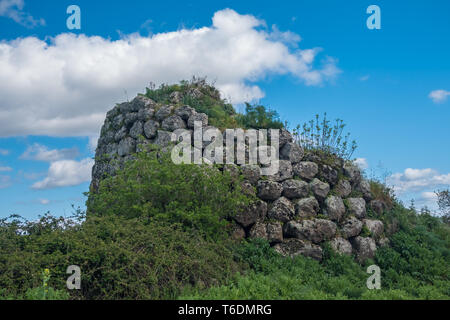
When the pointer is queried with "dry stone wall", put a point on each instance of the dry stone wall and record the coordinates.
(307, 203)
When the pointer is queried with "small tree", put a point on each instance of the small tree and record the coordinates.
(444, 204)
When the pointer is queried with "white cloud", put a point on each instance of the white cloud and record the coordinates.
(44, 201)
(4, 152)
(439, 96)
(13, 9)
(65, 173)
(42, 153)
(416, 180)
(364, 78)
(5, 181)
(65, 87)
(362, 163)
(5, 169)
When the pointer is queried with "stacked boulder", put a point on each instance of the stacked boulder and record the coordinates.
(307, 203)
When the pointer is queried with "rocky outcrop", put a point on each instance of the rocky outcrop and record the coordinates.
(306, 203)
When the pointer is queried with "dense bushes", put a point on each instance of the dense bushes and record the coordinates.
(119, 258)
(156, 189)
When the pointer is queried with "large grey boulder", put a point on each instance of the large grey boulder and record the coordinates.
(357, 207)
(292, 152)
(306, 170)
(284, 137)
(137, 130)
(307, 207)
(343, 188)
(274, 232)
(352, 172)
(295, 247)
(121, 133)
(141, 102)
(185, 112)
(254, 213)
(334, 208)
(126, 147)
(351, 227)
(164, 138)
(364, 187)
(259, 230)
(163, 112)
(176, 97)
(376, 227)
(295, 189)
(378, 206)
(329, 174)
(203, 118)
(237, 232)
(284, 171)
(341, 245)
(130, 119)
(316, 230)
(145, 114)
(151, 128)
(364, 248)
(269, 190)
(319, 188)
(118, 121)
(281, 210)
(173, 123)
(251, 173)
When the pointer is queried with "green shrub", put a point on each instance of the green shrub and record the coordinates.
(197, 197)
(258, 117)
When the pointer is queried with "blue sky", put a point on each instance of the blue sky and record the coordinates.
(391, 86)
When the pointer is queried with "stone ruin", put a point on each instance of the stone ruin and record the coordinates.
(307, 203)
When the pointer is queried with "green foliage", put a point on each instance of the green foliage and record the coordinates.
(205, 98)
(119, 258)
(197, 197)
(444, 204)
(257, 117)
(320, 135)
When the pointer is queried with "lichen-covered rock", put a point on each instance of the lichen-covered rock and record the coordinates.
(176, 97)
(352, 172)
(383, 242)
(364, 248)
(357, 207)
(274, 232)
(292, 152)
(284, 137)
(163, 112)
(316, 230)
(248, 189)
(306, 170)
(375, 227)
(319, 188)
(151, 129)
(164, 138)
(141, 102)
(145, 114)
(284, 171)
(364, 187)
(251, 173)
(232, 169)
(334, 208)
(203, 118)
(259, 230)
(343, 188)
(127, 146)
(255, 212)
(130, 119)
(378, 206)
(307, 207)
(351, 227)
(329, 174)
(281, 210)
(295, 247)
(121, 133)
(237, 232)
(137, 130)
(185, 112)
(118, 121)
(295, 189)
(173, 123)
(269, 190)
(341, 245)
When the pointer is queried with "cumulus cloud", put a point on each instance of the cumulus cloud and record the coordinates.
(39, 152)
(65, 173)
(5, 169)
(439, 96)
(13, 9)
(412, 180)
(65, 86)
(362, 163)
